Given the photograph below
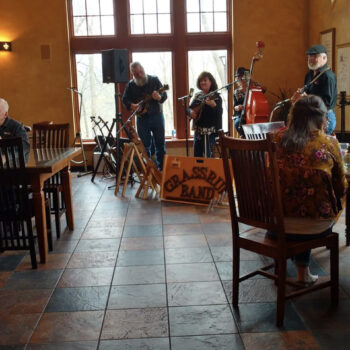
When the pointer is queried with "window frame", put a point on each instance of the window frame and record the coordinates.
(179, 42)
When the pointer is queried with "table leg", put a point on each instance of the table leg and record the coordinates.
(347, 217)
(40, 219)
(67, 195)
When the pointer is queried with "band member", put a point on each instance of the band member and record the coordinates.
(206, 114)
(12, 128)
(325, 86)
(239, 94)
(151, 123)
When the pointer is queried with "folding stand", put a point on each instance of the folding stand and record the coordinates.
(78, 137)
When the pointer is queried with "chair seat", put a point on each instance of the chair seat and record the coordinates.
(257, 240)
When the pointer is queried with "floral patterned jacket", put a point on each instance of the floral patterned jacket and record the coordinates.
(313, 180)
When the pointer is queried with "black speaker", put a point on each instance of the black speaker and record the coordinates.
(115, 67)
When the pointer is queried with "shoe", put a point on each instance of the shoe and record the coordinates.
(308, 279)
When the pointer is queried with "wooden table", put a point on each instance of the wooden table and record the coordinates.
(42, 164)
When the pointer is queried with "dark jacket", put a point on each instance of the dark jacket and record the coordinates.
(325, 86)
(13, 128)
(134, 94)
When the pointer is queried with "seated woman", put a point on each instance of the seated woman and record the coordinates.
(311, 176)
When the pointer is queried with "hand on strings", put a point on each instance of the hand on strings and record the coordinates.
(156, 96)
(134, 106)
(193, 114)
(210, 102)
(297, 95)
(238, 108)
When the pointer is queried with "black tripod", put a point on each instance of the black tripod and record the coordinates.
(185, 100)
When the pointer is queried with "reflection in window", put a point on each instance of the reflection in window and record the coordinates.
(150, 16)
(206, 16)
(93, 17)
(215, 62)
(98, 98)
(159, 64)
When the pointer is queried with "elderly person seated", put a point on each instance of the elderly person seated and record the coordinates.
(311, 176)
(12, 128)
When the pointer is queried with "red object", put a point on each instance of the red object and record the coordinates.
(258, 110)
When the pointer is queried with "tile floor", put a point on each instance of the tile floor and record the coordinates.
(138, 274)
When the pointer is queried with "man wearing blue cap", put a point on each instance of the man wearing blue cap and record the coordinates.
(320, 81)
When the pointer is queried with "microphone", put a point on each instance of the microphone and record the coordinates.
(187, 96)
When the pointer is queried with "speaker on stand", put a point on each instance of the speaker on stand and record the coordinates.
(115, 69)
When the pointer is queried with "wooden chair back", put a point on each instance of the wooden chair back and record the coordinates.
(255, 177)
(258, 131)
(50, 135)
(15, 209)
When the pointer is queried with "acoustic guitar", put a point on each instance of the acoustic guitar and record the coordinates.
(145, 102)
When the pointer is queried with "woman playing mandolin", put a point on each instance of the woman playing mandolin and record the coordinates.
(206, 112)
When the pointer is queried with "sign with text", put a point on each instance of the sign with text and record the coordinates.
(192, 180)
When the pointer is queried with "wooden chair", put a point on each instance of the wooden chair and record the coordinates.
(258, 131)
(16, 208)
(257, 189)
(47, 135)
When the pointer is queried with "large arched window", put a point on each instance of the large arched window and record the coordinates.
(173, 39)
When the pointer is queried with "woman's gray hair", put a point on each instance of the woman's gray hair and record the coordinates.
(4, 105)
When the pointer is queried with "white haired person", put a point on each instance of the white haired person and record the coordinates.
(325, 86)
(151, 124)
(12, 128)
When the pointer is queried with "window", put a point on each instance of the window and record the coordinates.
(150, 16)
(215, 62)
(93, 17)
(206, 16)
(97, 98)
(158, 63)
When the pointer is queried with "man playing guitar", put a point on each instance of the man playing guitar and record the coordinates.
(151, 121)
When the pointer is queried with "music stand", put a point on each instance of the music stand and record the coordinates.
(78, 136)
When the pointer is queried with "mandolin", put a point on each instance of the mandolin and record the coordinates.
(199, 102)
(145, 102)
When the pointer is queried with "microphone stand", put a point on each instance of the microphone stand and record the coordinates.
(185, 100)
(78, 137)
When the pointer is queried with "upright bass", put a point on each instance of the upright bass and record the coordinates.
(255, 105)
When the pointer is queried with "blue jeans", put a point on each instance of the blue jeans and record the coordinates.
(238, 126)
(149, 125)
(199, 142)
(331, 121)
(301, 259)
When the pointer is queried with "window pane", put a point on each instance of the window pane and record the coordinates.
(207, 22)
(164, 24)
(163, 6)
(136, 24)
(98, 98)
(107, 25)
(94, 26)
(220, 5)
(206, 5)
(192, 5)
(149, 6)
(80, 26)
(150, 24)
(215, 62)
(93, 7)
(136, 6)
(160, 64)
(106, 7)
(79, 8)
(220, 22)
(193, 22)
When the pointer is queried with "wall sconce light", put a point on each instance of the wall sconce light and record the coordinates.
(5, 46)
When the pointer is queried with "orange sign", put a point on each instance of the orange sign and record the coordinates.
(191, 179)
